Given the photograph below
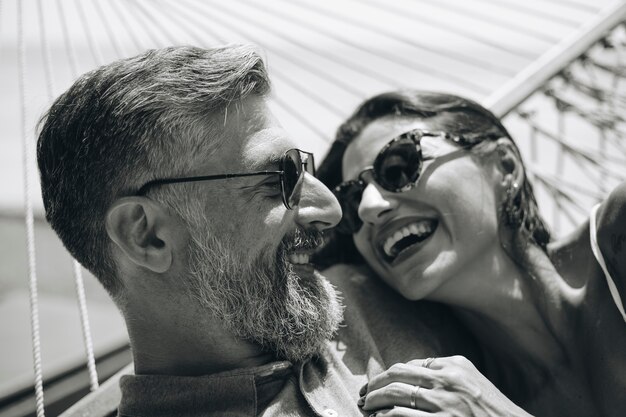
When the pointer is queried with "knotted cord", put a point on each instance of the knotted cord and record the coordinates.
(76, 267)
(27, 151)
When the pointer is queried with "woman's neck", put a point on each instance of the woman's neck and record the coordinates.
(508, 308)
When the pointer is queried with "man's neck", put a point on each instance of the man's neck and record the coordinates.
(181, 363)
(171, 339)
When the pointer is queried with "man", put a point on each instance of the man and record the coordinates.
(167, 176)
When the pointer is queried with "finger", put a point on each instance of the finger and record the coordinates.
(430, 363)
(403, 372)
(443, 362)
(399, 394)
(401, 412)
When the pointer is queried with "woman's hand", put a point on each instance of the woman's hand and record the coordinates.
(450, 386)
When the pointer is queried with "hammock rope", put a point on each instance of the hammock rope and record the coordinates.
(580, 6)
(321, 72)
(71, 59)
(196, 22)
(146, 27)
(370, 50)
(93, 50)
(324, 54)
(122, 17)
(309, 92)
(45, 50)
(76, 267)
(153, 23)
(481, 18)
(27, 151)
(460, 31)
(86, 328)
(534, 13)
(117, 48)
(585, 96)
(432, 23)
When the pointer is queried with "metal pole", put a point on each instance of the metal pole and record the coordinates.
(533, 77)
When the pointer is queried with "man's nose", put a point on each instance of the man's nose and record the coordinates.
(318, 206)
(375, 204)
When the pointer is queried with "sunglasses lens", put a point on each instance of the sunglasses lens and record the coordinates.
(292, 178)
(396, 168)
(399, 165)
(349, 195)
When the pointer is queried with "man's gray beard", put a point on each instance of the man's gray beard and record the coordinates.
(263, 300)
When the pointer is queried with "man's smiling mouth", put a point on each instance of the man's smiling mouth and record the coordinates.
(407, 237)
(300, 245)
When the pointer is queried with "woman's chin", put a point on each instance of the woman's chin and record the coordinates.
(421, 279)
(418, 270)
(417, 287)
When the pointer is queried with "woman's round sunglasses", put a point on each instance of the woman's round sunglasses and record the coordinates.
(397, 168)
(291, 168)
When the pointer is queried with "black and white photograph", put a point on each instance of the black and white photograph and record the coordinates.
(348, 208)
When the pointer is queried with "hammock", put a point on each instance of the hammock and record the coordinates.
(570, 101)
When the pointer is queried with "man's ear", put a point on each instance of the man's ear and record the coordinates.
(508, 164)
(139, 227)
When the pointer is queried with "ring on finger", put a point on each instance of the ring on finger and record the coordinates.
(428, 362)
(414, 392)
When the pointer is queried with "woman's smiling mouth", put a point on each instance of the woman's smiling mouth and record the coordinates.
(406, 237)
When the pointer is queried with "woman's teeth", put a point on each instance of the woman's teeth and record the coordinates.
(416, 232)
(299, 258)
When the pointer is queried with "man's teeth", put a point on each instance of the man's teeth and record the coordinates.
(299, 258)
(418, 229)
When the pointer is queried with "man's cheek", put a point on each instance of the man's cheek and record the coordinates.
(278, 217)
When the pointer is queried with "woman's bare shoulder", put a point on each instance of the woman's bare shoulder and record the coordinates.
(611, 226)
(573, 257)
(598, 328)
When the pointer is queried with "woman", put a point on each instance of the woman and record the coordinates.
(437, 203)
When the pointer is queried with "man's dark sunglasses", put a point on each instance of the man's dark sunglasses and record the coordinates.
(291, 168)
(397, 168)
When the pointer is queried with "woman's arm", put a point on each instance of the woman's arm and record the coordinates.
(611, 226)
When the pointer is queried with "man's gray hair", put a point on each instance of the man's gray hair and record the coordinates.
(129, 122)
